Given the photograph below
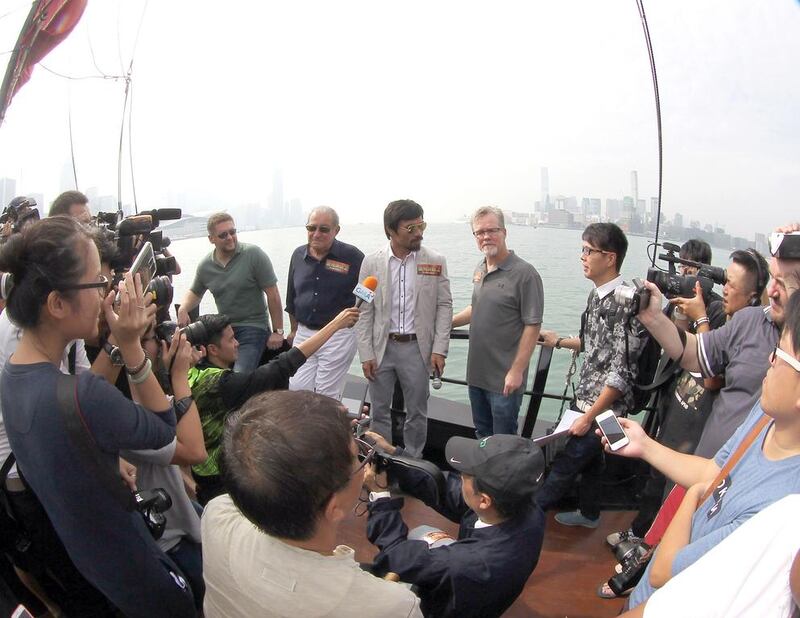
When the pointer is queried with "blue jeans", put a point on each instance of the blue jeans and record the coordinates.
(494, 412)
(583, 455)
(252, 341)
(189, 557)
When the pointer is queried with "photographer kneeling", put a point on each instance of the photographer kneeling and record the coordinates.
(56, 295)
(218, 390)
(500, 527)
(292, 469)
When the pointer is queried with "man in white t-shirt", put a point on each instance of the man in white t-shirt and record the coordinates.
(745, 575)
(292, 468)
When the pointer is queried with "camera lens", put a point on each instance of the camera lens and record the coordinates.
(161, 289)
(196, 333)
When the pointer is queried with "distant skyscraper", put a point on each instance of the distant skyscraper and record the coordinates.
(545, 201)
(276, 211)
(653, 208)
(635, 188)
(8, 191)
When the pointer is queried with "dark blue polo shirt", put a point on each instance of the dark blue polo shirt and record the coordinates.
(318, 290)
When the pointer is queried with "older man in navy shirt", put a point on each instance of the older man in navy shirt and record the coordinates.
(322, 275)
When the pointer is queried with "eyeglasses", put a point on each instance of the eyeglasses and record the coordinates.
(415, 226)
(324, 229)
(101, 285)
(487, 232)
(226, 233)
(790, 360)
(589, 251)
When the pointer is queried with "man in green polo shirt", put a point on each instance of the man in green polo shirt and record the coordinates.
(238, 275)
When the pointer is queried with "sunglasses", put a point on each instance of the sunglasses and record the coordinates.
(415, 226)
(101, 285)
(325, 229)
(226, 233)
(785, 356)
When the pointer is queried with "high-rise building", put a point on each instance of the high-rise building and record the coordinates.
(545, 182)
(613, 210)
(653, 208)
(635, 188)
(8, 191)
(678, 220)
(276, 212)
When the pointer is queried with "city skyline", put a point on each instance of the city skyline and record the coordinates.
(355, 114)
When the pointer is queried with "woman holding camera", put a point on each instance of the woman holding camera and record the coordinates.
(56, 295)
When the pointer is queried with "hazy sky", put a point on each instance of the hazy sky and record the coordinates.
(454, 104)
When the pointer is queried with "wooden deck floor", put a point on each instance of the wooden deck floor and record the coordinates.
(573, 562)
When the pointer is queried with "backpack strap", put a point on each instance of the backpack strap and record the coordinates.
(737, 455)
(82, 440)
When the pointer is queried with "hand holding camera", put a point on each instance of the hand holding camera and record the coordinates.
(178, 355)
(693, 308)
(134, 313)
(374, 480)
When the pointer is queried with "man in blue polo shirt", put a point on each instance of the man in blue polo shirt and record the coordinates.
(322, 275)
(238, 275)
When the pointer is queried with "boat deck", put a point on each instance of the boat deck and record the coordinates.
(573, 562)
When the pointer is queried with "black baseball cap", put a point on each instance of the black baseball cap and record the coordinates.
(509, 466)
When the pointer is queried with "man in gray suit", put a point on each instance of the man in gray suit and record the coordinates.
(404, 334)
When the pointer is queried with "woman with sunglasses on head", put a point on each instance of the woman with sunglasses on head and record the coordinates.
(56, 295)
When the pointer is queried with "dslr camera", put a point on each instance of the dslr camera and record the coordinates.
(152, 503)
(196, 332)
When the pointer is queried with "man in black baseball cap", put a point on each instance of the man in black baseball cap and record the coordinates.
(500, 527)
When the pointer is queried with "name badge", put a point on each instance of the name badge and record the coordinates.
(433, 270)
(477, 276)
(337, 267)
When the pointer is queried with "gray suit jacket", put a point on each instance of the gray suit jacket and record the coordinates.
(433, 306)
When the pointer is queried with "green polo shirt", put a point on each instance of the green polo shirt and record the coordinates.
(238, 287)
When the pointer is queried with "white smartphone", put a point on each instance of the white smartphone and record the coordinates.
(612, 430)
(145, 265)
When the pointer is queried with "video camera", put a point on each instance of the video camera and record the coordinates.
(130, 234)
(406, 471)
(20, 210)
(671, 284)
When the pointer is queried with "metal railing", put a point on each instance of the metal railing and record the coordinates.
(537, 393)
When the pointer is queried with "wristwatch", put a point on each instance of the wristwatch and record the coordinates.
(279, 331)
(114, 353)
(558, 342)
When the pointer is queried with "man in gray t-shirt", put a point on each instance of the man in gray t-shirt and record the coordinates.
(505, 317)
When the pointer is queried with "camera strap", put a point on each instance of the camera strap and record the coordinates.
(736, 456)
(82, 440)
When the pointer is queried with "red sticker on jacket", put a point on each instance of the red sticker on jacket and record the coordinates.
(429, 269)
(337, 267)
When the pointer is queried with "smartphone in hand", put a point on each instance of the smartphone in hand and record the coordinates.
(612, 430)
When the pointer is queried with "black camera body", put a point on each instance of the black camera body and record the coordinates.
(19, 211)
(152, 503)
(673, 285)
(196, 332)
(130, 233)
